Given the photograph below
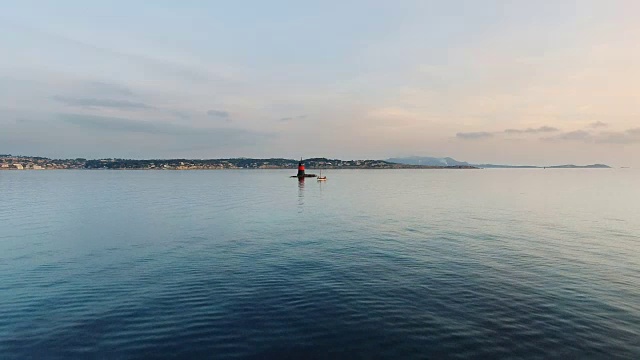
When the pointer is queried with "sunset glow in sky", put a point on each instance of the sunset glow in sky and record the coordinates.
(514, 82)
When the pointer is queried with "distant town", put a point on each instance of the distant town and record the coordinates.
(12, 162)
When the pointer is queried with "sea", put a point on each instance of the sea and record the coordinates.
(371, 264)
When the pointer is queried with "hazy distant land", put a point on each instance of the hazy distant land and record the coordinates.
(12, 162)
(447, 161)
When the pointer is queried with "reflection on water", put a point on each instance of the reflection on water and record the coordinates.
(300, 194)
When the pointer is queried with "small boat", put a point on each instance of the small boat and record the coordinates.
(322, 178)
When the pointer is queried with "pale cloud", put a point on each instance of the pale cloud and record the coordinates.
(114, 136)
(180, 114)
(107, 89)
(474, 135)
(185, 136)
(577, 135)
(220, 114)
(116, 124)
(598, 124)
(542, 129)
(487, 134)
(101, 103)
(630, 136)
(290, 118)
(397, 117)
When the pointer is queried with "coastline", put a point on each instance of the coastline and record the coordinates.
(10, 162)
(245, 169)
(13, 163)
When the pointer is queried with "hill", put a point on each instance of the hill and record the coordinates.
(428, 161)
(447, 161)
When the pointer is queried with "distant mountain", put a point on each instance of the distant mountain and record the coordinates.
(447, 161)
(428, 161)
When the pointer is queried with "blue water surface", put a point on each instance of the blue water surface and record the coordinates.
(396, 264)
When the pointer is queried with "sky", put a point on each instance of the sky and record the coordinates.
(510, 82)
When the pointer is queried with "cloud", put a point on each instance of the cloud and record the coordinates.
(105, 103)
(578, 135)
(189, 71)
(487, 134)
(186, 135)
(183, 115)
(108, 89)
(598, 124)
(103, 123)
(629, 136)
(575, 135)
(299, 117)
(128, 125)
(542, 129)
(103, 136)
(474, 135)
(218, 114)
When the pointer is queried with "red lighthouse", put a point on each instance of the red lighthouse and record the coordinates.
(301, 174)
(301, 169)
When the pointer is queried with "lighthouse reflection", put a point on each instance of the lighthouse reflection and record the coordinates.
(300, 193)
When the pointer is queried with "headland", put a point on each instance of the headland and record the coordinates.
(12, 162)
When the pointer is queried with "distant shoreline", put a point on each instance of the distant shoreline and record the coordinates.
(244, 169)
(14, 169)
(12, 162)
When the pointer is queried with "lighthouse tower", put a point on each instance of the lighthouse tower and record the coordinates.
(300, 169)
(301, 174)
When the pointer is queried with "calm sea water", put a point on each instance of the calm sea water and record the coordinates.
(371, 264)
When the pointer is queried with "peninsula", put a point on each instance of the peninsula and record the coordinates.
(11, 162)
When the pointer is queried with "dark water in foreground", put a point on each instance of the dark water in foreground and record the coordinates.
(371, 264)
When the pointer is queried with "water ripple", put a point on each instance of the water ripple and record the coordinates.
(242, 264)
